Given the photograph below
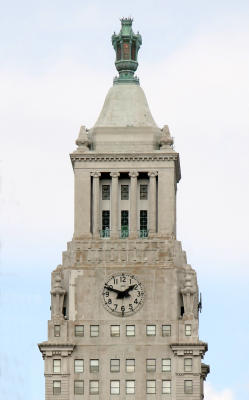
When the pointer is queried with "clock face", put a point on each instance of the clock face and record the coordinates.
(122, 294)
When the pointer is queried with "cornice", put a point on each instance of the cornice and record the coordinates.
(124, 157)
(49, 349)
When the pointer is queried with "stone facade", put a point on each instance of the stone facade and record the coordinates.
(126, 174)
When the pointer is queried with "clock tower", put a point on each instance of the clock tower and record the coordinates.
(124, 302)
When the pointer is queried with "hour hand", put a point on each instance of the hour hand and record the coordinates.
(112, 289)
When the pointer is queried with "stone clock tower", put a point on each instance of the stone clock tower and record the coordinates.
(124, 302)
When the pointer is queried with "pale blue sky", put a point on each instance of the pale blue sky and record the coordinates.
(56, 65)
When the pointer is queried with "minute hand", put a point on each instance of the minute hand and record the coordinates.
(113, 290)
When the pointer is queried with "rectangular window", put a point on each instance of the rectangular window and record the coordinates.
(78, 366)
(115, 387)
(94, 387)
(105, 192)
(57, 366)
(78, 387)
(150, 330)
(150, 387)
(188, 387)
(166, 365)
(166, 330)
(188, 330)
(130, 365)
(143, 223)
(115, 365)
(124, 192)
(166, 387)
(57, 330)
(150, 365)
(105, 223)
(187, 364)
(94, 330)
(130, 330)
(79, 330)
(94, 365)
(124, 223)
(115, 330)
(56, 387)
(143, 192)
(130, 387)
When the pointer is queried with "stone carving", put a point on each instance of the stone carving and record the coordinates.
(166, 141)
(57, 297)
(133, 174)
(152, 174)
(188, 293)
(82, 140)
(114, 174)
(96, 174)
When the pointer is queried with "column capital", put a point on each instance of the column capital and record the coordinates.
(114, 174)
(152, 174)
(96, 174)
(133, 174)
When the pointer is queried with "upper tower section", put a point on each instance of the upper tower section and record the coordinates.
(126, 45)
(125, 123)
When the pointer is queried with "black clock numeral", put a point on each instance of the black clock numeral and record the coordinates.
(131, 307)
(122, 308)
(122, 278)
(135, 287)
(107, 294)
(115, 306)
(135, 301)
(109, 301)
(138, 294)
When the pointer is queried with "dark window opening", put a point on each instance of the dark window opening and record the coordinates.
(143, 223)
(143, 192)
(124, 192)
(124, 223)
(105, 192)
(105, 223)
(182, 311)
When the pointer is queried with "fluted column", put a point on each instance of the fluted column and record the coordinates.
(96, 217)
(133, 204)
(152, 202)
(114, 204)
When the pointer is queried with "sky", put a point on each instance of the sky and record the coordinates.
(56, 66)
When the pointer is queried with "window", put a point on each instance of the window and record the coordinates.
(94, 365)
(124, 192)
(115, 387)
(187, 364)
(115, 365)
(150, 387)
(130, 330)
(143, 223)
(57, 366)
(115, 330)
(166, 387)
(94, 387)
(57, 330)
(130, 365)
(166, 364)
(150, 330)
(79, 330)
(166, 330)
(188, 330)
(124, 223)
(78, 387)
(130, 387)
(56, 387)
(78, 366)
(188, 387)
(94, 330)
(105, 223)
(143, 192)
(105, 192)
(150, 365)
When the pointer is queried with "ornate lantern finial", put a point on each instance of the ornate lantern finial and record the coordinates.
(126, 45)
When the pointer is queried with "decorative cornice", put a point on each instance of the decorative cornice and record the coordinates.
(181, 349)
(49, 349)
(124, 157)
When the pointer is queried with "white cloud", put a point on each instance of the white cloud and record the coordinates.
(213, 394)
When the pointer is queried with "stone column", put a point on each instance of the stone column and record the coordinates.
(96, 216)
(152, 202)
(114, 204)
(133, 204)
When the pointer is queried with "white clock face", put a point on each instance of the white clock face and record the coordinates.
(122, 294)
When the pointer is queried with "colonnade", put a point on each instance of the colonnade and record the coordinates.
(115, 203)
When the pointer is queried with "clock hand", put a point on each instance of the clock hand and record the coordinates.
(125, 293)
(113, 290)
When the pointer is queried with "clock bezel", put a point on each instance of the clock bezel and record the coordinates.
(118, 313)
